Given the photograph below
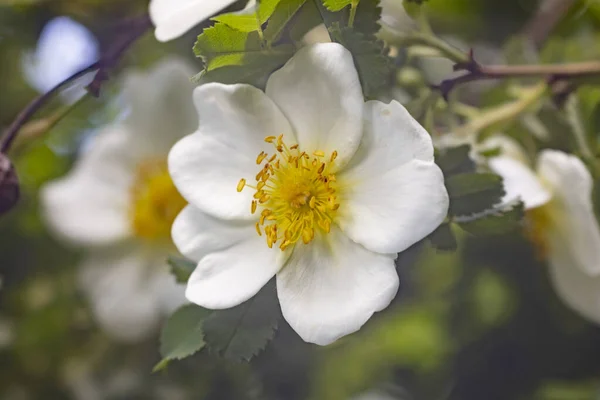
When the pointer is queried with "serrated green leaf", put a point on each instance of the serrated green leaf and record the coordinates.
(336, 5)
(375, 68)
(255, 71)
(472, 193)
(181, 268)
(496, 221)
(282, 15)
(443, 238)
(455, 160)
(221, 45)
(182, 334)
(241, 332)
(252, 21)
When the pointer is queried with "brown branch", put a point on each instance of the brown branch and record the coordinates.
(552, 72)
(548, 15)
(136, 27)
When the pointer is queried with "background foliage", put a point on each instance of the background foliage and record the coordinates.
(478, 323)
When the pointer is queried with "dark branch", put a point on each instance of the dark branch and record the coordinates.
(552, 72)
(135, 28)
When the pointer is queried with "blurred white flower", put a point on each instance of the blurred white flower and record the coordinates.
(342, 186)
(560, 218)
(118, 203)
(394, 19)
(173, 18)
(64, 47)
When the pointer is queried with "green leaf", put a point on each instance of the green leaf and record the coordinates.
(181, 268)
(443, 238)
(471, 193)
(455, 160)
(283, 14)
(221, 45)
(182, 334)
(251, 21)
(374, 67)
(308, 17)
(336, 5)
(497, 221)
(241, 332)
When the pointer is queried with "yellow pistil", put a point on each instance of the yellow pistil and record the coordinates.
(537, 223)
(296, 193)
(155, 202)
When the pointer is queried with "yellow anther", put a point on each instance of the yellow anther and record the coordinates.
(294, 193)
(260, 174)
(307, 235)
(241, 185)
(261, 157)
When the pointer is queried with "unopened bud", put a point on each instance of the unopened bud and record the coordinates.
(9, 185)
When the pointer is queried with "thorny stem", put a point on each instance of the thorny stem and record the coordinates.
(553, 72)
(135, 28)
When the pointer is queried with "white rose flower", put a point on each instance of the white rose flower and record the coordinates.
(340, 186)
(560, 219)
(118, 203)
(173, 18)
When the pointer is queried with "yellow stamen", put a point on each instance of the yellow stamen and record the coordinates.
(297, 194)
(155, 202)
(241, 185)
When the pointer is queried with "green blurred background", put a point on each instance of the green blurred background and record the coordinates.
(479, 324)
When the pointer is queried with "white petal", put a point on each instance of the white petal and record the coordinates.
(393, 193)
(161, 108)
(519, 182)
(90, 205)
(320, 93)
(207, 166)
(332, 286)
(197, 234)
(119, 286)
(576, 288)
(233, 274)
(173, 18)
(576, 224)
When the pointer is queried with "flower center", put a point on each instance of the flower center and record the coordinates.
(538, 222)
(155, 201)
(295, 192)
